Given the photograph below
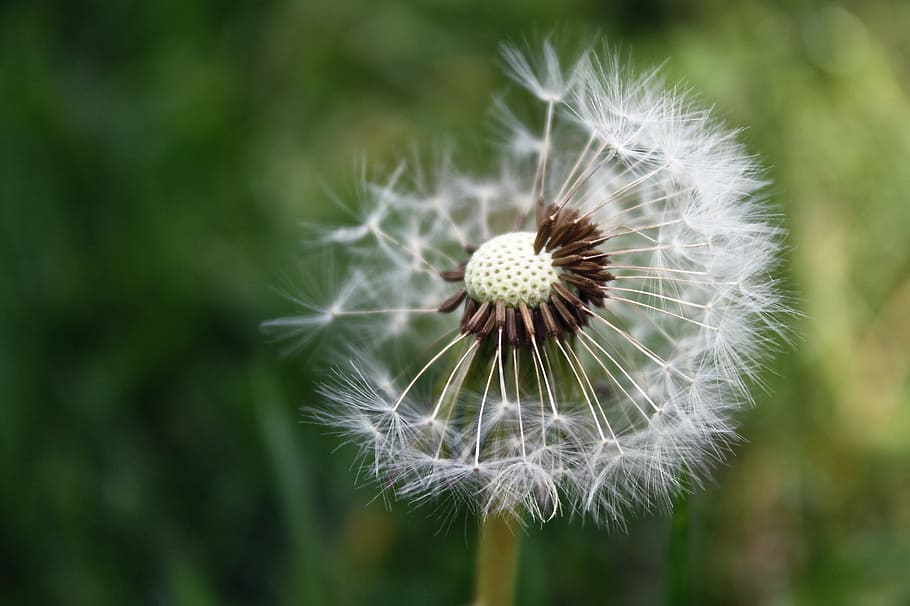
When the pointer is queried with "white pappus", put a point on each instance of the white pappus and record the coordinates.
(575, 328)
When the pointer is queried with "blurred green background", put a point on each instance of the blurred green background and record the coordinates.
(155, 160)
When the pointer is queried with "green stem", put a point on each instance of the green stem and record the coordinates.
(679, 585)
(497, 560)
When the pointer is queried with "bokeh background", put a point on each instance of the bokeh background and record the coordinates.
(156, 159)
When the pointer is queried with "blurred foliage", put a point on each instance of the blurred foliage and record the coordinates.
(155, 159)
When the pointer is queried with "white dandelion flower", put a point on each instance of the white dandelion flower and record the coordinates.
(577, 327)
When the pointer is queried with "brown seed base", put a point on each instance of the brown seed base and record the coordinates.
(572, 240)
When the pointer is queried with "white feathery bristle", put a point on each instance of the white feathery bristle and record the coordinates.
(620, 393)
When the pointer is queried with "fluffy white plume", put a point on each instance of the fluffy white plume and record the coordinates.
(621, 411)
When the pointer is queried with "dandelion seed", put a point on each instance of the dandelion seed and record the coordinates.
(579, 325)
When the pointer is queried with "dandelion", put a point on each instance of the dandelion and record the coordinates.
(570, 333)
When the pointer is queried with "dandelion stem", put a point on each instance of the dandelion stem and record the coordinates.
(497, 559)
(679, 588)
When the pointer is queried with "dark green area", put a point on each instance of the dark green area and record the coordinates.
(155, 159)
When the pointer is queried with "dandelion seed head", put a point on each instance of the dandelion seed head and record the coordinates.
(575, 329)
